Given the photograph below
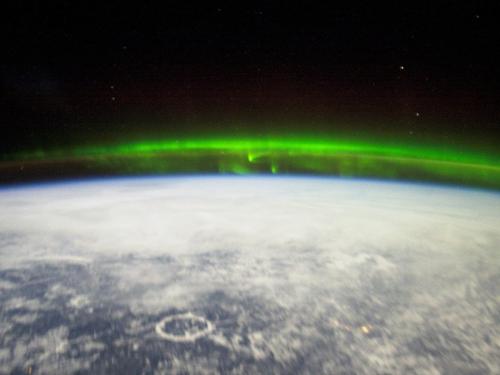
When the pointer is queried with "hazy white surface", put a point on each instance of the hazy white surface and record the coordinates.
(180, 216)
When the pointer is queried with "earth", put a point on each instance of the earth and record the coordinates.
(265, 275)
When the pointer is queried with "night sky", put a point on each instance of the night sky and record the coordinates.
(76, 77)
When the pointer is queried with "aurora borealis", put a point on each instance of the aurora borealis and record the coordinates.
(277, 155)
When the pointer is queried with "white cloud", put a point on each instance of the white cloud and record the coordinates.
(311, 251)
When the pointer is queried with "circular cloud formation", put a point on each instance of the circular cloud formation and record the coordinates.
(185, 327)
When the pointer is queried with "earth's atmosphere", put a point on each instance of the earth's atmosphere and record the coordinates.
(249, 275)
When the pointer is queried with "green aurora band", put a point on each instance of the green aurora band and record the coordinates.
(287, 155)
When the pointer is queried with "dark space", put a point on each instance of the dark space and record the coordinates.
(80, 74)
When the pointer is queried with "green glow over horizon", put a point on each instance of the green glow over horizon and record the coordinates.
(278, 155)
(256, 147)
